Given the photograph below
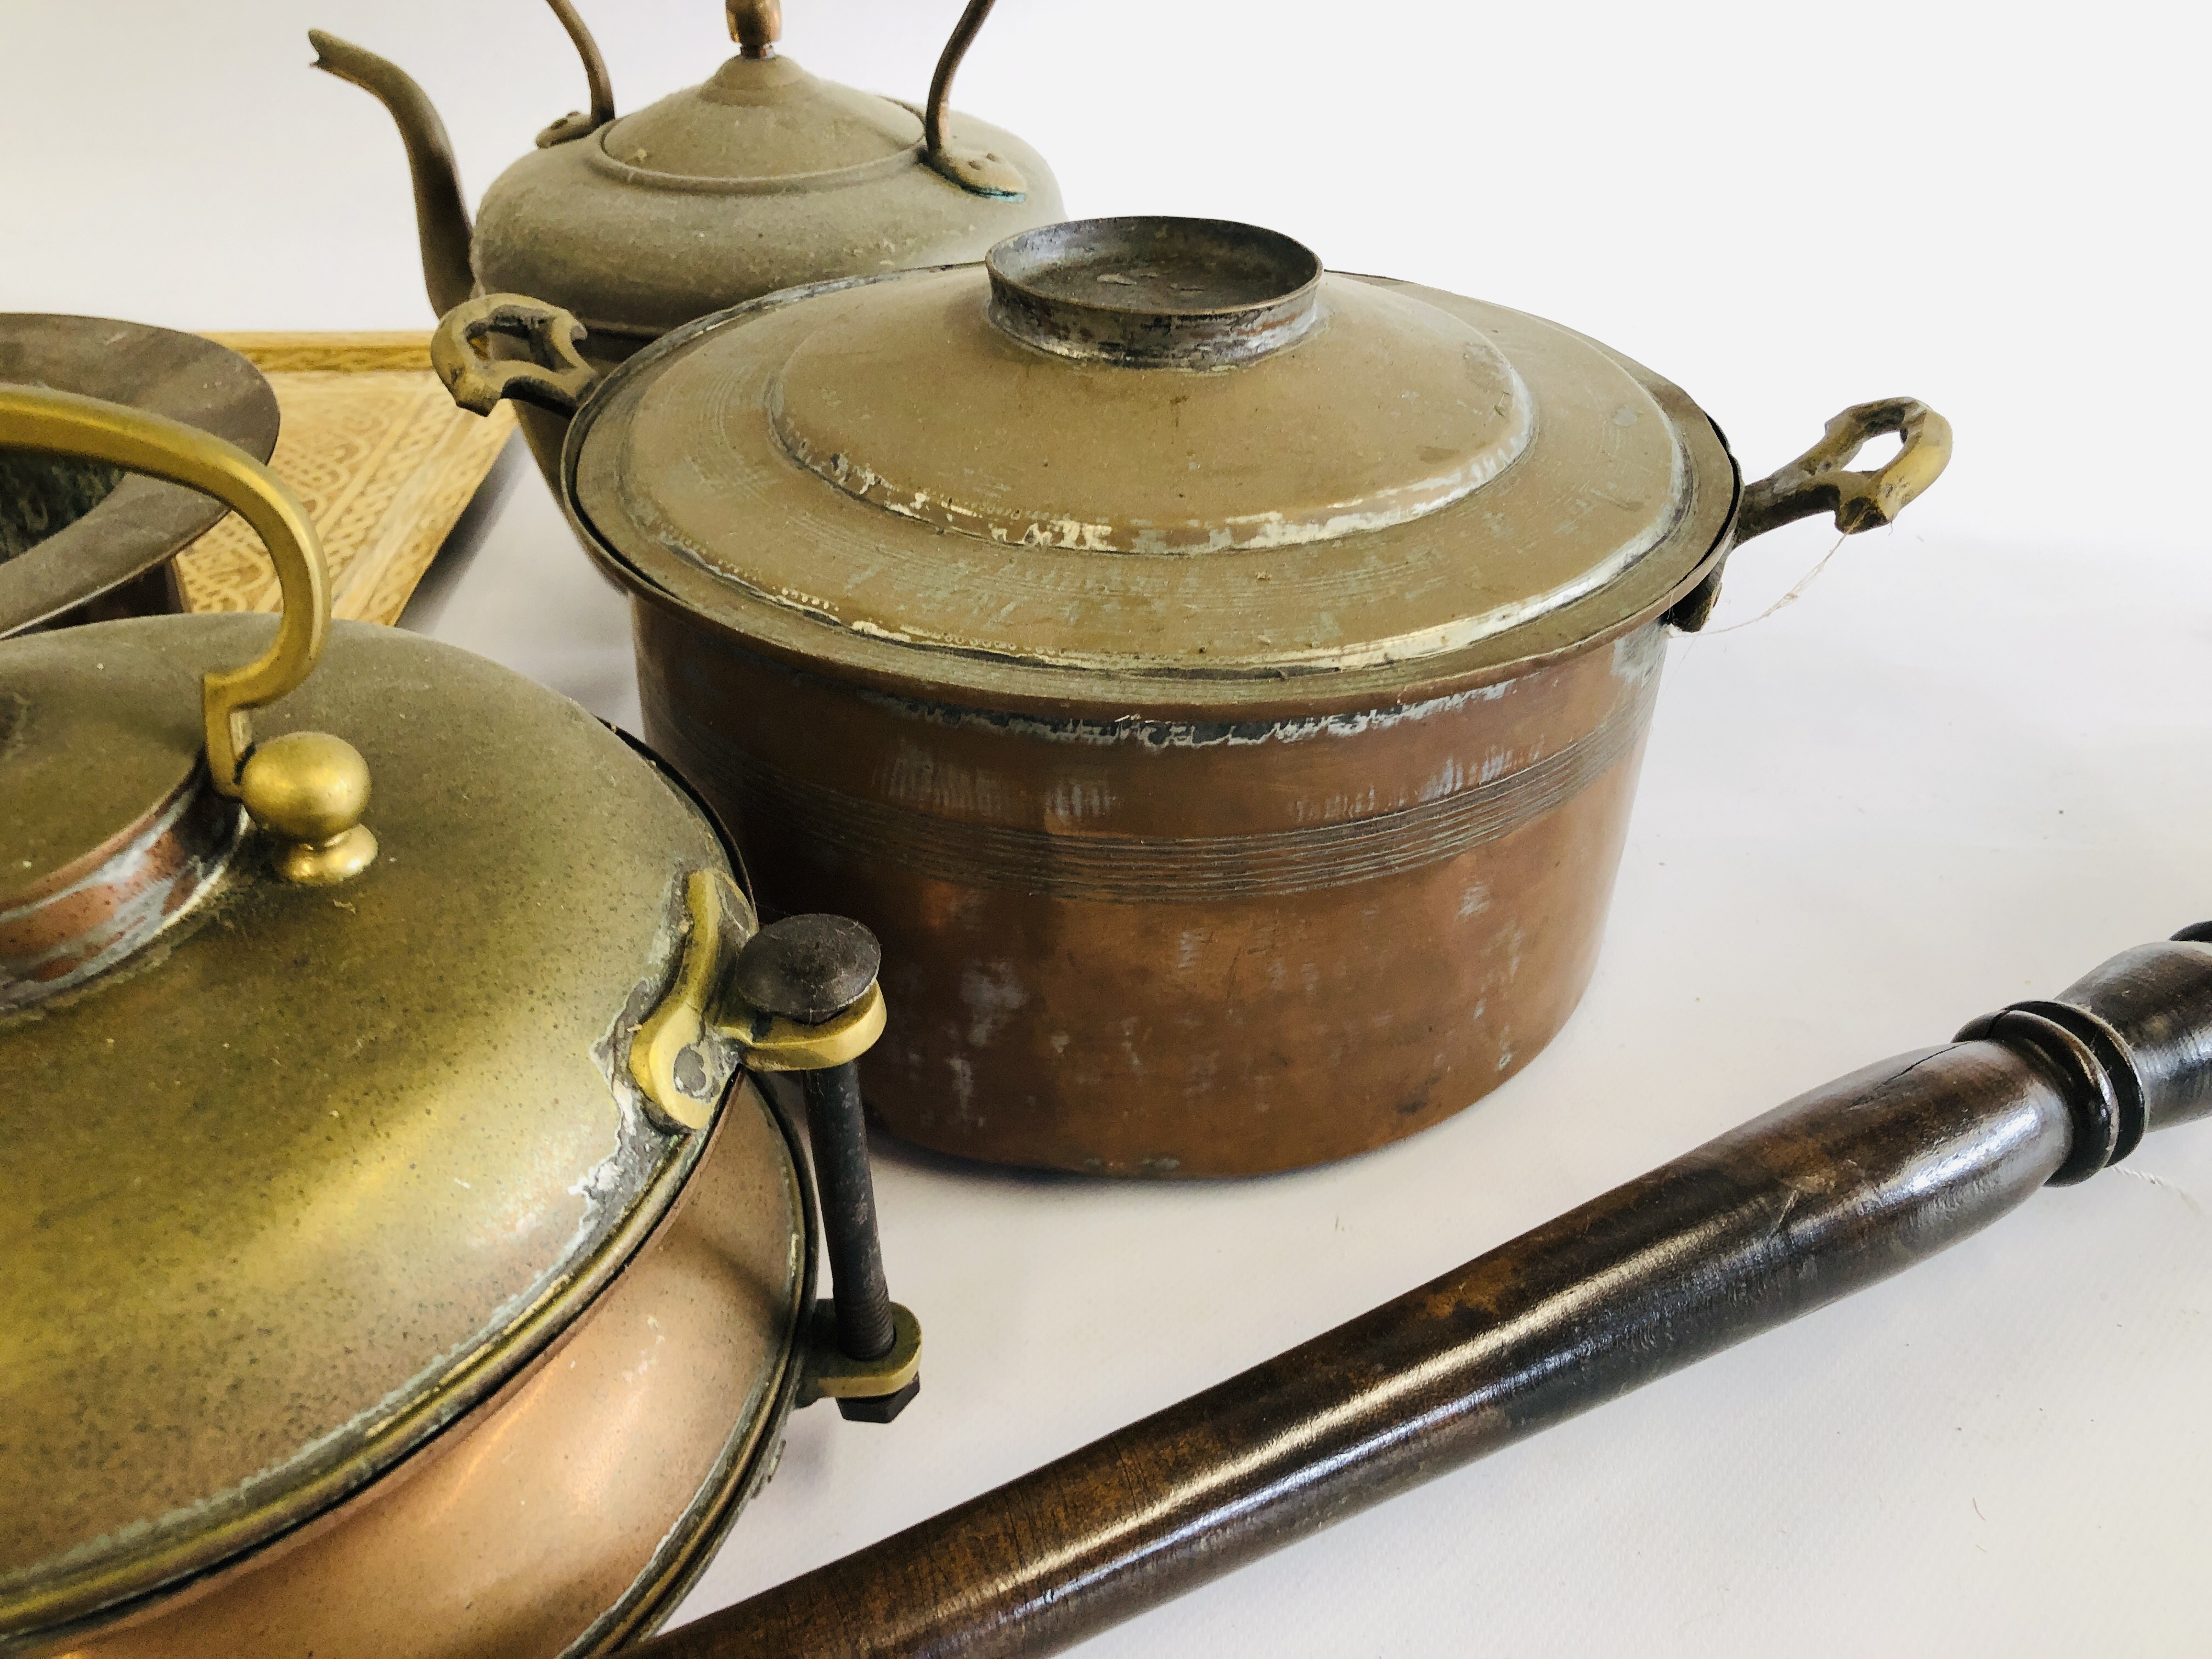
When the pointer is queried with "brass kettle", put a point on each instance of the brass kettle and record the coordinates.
(762, 178)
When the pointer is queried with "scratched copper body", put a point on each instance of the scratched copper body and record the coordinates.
(1218, 680)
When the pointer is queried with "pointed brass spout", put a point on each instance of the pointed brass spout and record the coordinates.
(441, 218)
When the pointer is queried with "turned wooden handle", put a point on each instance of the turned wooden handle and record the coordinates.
(1831, 1192)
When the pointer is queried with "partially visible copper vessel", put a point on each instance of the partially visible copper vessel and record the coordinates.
(1221, 683)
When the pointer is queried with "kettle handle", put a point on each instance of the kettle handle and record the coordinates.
(579, 124)
(984, 172)
(555, 376)
(307, 787)
(1819, 480)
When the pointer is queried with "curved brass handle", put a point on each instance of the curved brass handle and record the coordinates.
(308, 787)
(579, 124)
(555, 376)
(1818, 482)
(986, 172)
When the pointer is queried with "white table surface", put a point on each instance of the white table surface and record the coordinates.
(1967, 765)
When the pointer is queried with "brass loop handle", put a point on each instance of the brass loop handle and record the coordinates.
(1816, 482)
(555, 376)
(578, 124)
(985, 173)
(307, 787)
(63, 423)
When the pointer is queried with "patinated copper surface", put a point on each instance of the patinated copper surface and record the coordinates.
(1150, 948)
(572, 1511)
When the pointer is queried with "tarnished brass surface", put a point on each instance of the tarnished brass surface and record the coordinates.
(138, 441)
(142, 522)
(109, 829)
(573, 1509)
(672, 1058)
(322, 1170)
(133, 708)
(105, 857)
(763, 177)
(1571, 495)
(773, 1043)
(986, 172)
(478, 383)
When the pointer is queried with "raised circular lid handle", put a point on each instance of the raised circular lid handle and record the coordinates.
(1155, 292)
(312, 784)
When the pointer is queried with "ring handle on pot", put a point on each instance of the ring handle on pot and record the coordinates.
(1819, 481)
(554, 376)
(308, 787)
(1816, 482)
(984, 172)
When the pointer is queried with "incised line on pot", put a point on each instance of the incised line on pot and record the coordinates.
(1153, 869)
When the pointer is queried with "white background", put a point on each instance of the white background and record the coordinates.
(1967, 765)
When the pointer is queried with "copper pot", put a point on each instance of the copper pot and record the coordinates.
(1221, 683)
(400, 1263)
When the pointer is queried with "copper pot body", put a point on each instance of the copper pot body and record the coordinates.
(570, 1512)
(1134, 947)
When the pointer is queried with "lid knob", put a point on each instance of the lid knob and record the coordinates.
(1155, 292)
(808, 968)
(755, 24)
(310, 789)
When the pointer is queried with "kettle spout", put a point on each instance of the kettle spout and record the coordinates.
(441, 218)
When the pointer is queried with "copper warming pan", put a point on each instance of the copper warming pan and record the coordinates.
(401, 1260)
(1221, 683)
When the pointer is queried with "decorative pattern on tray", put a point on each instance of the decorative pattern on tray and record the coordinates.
(384, 461)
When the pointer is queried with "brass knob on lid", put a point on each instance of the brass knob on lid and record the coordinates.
(310, 789)
(755, 24)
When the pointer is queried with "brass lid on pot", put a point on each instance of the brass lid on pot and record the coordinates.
(1159, 459)
(324, 1120)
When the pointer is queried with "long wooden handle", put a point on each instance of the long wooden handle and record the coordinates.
(1836, 1189)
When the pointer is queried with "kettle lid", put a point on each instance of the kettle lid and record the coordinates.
(762, 123)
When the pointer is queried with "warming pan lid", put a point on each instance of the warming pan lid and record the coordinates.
(1161, 450)
(311, 1171)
